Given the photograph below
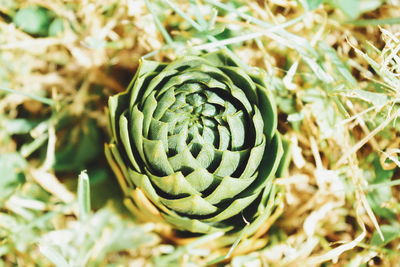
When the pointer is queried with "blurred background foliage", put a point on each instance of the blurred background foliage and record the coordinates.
(333, 66)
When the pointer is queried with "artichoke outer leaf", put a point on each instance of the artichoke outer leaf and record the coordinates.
(229, 188)
(237, 206)
(117, 158)
(255, 157)
(241, 97)
(269, 190)
(186, 62)
(219, 79)
(157, 81)
(136, 131)
(242, 80)
(164, 102)
(185, 89)
(269, 113)
(213, 72)
(193, 76)
(258, 77)
(268, 166)
(224, 137)
(116, 106)
(214, 98)
(230, 162)
(174, 184)
(237, 126)
(117, 168)
(159, 131)
(286, 157)
(156, 157)
(194, 226)
(264, 214)
(148, 109)
(258, 123)
(142, 207)
(145, 71)
(124, 134)
(191, 205)
(221, 58)
(143, 182)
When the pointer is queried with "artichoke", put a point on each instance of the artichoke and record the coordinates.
(194, 144)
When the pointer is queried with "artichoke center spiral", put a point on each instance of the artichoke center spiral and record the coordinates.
(198, 137)
(196, 116)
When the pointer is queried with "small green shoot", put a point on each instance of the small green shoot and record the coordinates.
(84, 196)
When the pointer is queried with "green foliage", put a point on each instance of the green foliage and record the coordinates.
(8, 4)
(390, 233)
(12, 167)
(354, 8)
(56, 27)
(313, 4)
(22, 226)
(375, 22)
(325, 112)
(84, 196)
(81, 146)
(382, 194)
(38, 21)
(321, 91)
(18, 126)
(33, 19)
(90, 240)
(339, 67)
(351, 8)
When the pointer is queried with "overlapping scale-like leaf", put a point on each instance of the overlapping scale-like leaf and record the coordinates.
(198, 137)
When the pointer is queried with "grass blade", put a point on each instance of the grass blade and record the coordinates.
(83, 195)
(374, 22)
(54, 256)
(158, 23)
(41, 99)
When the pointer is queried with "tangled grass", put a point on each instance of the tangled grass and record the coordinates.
(333, 66)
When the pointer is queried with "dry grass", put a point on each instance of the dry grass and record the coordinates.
(337, 86)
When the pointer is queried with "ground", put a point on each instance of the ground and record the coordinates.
(333, 67)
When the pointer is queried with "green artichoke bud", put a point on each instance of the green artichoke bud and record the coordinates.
(194, 144)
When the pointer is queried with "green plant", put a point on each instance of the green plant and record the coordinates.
(194, 143)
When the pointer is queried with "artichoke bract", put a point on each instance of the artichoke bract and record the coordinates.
(194, 144)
